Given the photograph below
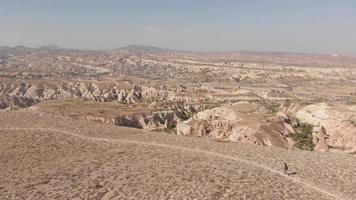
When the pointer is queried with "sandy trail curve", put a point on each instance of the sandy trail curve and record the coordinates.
(200, 151)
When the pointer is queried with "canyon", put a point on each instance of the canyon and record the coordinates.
(244, 97)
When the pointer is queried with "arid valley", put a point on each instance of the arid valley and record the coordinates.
(142, 122)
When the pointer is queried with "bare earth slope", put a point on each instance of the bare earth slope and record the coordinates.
(59, 158)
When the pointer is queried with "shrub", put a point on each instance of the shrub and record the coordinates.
(172, 125)
(11, 108)
(303, 137)
(273, 107)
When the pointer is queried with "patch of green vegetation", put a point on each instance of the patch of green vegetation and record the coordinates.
(172, 125)
(11, 108)
(304, 137)
(351, 102)
(273, 107)
(306, 103)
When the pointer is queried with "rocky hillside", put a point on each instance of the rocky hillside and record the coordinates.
(334, 126)
(315, 127)
(59, 158)
(27, 94)
(243, 122)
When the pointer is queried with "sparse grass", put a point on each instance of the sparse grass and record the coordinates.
(351, 102)
(306, 103)
(12, 108)
(272, 107)
(170, 127)
(304, 137)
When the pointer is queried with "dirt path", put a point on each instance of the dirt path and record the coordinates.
(108, 140)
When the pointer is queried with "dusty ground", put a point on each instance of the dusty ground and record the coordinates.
(62, 158)
(80, 109)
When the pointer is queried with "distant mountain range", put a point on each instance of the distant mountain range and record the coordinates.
(140, 49)
(147, 49)
(49, 47)
(249, 55)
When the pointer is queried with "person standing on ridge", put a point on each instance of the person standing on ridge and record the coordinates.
(286, 169)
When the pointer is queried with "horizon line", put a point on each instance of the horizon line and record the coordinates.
(56, 47)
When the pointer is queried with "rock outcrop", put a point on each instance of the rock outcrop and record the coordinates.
(165, 120)
(27, 94)
(334, 126)
(230, 124)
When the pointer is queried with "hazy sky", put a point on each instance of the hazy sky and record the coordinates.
(325, 26)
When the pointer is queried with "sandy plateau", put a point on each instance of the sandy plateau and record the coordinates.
(59, 158)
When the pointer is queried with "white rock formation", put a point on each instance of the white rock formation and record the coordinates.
(335, 126)
(227, 124)
(27, 94)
